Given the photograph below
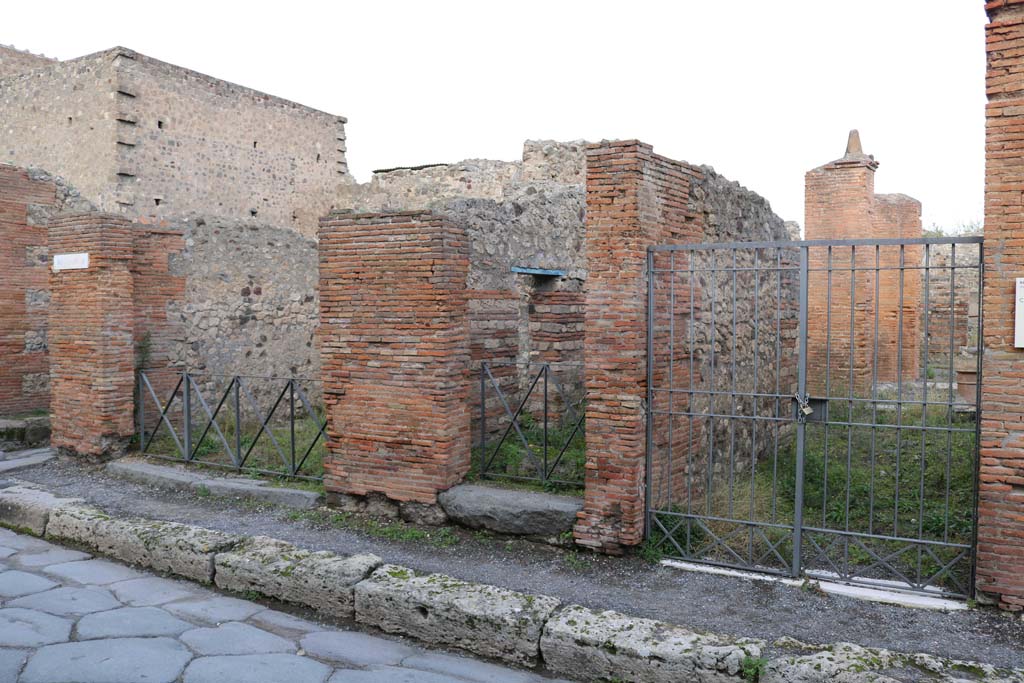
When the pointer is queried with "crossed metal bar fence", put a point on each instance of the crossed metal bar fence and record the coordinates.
(538, 437)
(188, 429)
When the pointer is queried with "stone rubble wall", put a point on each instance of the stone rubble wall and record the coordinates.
(14, 61)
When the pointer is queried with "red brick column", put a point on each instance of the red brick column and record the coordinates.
(1000, 568)
(394, 337)
(635, 199)
(91, 336)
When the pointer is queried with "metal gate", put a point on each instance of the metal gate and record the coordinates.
(813, 408)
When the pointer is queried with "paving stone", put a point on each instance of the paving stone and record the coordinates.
(234, 638)
(23, 542)
(277, 569)
(14, 584)
(151, 590)
(6, 552)
(68, 601)
(130, 622)
(92, 572)
(358, 649)
(125, 660)
(485, 620)
(389, 674)
(470, 669)
(214, 610)
(31, 628)
(10, 663)
(29, 459)
(283, 624)
(272, 668)
(48, 557)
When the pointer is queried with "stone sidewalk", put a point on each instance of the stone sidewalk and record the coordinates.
(66, 617)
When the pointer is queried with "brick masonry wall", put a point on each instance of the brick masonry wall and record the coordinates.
(395, 345)
(1000, 555)
(92, 336)
(635, 199)
(840, 203)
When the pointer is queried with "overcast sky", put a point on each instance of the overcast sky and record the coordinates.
(762, 91)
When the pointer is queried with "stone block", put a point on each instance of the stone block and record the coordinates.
(255, 490)
(28, 509)
(153, 475)
(589, 645)
(75, 524)
(510, 511)
(321, 580)
(437, 609)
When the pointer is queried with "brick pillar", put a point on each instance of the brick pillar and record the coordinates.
(1000, 559)
(91, 327)
(635, 199)
(394, 337)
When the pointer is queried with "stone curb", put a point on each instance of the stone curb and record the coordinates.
(181, 480)
(321, 580)
(484, 620)
(487, 620)
(609, 645)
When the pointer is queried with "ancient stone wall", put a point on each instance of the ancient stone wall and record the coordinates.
(28, 199)
(146, 138)
(14, 61)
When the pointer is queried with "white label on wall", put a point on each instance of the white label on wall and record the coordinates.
(1018, 337)
(70, 261)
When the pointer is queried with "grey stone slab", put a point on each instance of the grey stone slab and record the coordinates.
(12, 464)
(68, 601)
(15, 583)
(268, 668)
(469, 669)
(151, 590)
(48, 557)
(293, 498)
(92, 572)
(130, 622)
(321, 580)
(125, 660)
(214, 610)
(31, 628)
(283, 624)
(510, 511)
(6, 552)
(23, 542)
(234, 638)
(26, 508)
(355, 649)
(154, 475)
(591, 645)
(485, 620)
(10, 663)
(389, 674)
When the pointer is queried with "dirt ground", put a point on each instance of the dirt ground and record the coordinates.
(701, 602)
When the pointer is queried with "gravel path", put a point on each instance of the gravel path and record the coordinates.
(702, 602)
(66, 617)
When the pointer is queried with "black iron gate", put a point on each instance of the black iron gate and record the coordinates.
(813, 408)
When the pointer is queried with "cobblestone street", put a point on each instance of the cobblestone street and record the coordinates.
(67, 617)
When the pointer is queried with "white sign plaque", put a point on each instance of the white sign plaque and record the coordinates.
(70, 261)
(1018, 328)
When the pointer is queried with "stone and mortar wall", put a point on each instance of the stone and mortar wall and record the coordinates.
(1000, 551)
(146, 138)
(28, 199)
(14, 61)
(395, 349)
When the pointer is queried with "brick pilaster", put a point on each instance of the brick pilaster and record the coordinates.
(91, 336)
(1000, 563)
(395, 345)
(635, 199)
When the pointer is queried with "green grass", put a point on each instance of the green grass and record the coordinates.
(512, 459)
(392, 530)
(908, 483)
(209, 453)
